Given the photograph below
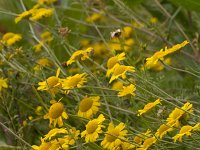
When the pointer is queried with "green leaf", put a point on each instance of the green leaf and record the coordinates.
(193, 5)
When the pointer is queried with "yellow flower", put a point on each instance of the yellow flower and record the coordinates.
(127, 90)
(162, 130)
(93, 128)
(114, 136)
(3, 83)
(46, 36)
(160, 54)
(138, 139)
(72, 136)
(120, 71)
(95, 17)
(153, 20)
(43, 62)
(113, 61)
(52, 84)
(125, 45)
(48, 2)
(58, 144)
(54, 132)
(11, 38)
(26, 14)
(117, 86)
(127, 31)
(56, 113)
(89, 106)
(38, 47)
(38, 110)
(43, 146)
(158, 66)
(124, 146)
(176, 114)
(40, 13)
(147, 143)
(186, 130)
(72, 82)
(80, 54)
(148, 106)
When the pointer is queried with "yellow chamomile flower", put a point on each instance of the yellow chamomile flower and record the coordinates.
(185, 130)
(72, 136)
(80, 54)
(148, 106)
(56, 114)
(53, 132)
(42, 62)
(95, 17)
(46, 36)
(52, 84)
(11, 38)
(139, 138)
(147, 143)
(127, 90)
(162, 130)
(116, 45)
(113, 61)
(114, 136)
(160, 54)
(93, 129)
(89, 106)
(120, 71)
(176, 114)
(75, 81)
(3, 83)
(40, 13)
(117, 86)
(43, 146)
(48, 2)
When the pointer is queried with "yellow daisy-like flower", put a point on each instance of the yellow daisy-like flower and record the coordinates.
(93, 128)
(59, 144)
(56, 113)
(80, 54)
(52, 84)
(176, 114)
(186, 130)
(160, 54)
(162, 130)
(3, 83)
(127, 31)
(43, 146)
(11, 38)
(127, 90)
(89, 106)
(41, 13)
(95, 17)
(43, 62)
(148, 106)
(53, 132)
(147, 143)
(114, 136)
(72, 136)
(116, 45)
(120, 71)
(117, 86)
(139, 138)
(113, 61)
(75, 81)
(46, 36)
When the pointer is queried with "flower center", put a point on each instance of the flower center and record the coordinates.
(112, 135)
(74, 81)
(56, 110)
(45, 146)
(111, 62)
(85, 104)
(92, 126)
(119, 70)
(52, 81)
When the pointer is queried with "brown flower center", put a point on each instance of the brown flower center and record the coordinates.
(92, 126)
(56, 110)
(52, 81)
(112, 135)
(85, 104)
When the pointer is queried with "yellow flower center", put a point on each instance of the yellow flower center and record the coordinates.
(85, 104)
(92, 126)
(112, 135)
(74, 82)
(56, 110)
(52, 81)
(111, 62)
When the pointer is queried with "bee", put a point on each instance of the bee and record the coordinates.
(116, 34)
(64, 31)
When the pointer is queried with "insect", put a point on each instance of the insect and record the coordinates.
(64, 31)
(116, 34)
